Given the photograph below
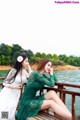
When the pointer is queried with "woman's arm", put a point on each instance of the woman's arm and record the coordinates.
(30, 71)
(46, 79)
(9, 77)
(13, 85)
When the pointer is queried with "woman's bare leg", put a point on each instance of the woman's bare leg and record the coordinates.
(53, 101)
(56, 108)
(53, 96)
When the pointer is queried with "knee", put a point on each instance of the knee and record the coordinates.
(69, 117)
(51, 92)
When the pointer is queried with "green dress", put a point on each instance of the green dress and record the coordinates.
(30, 103)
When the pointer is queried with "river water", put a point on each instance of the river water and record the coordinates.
(66, 76)
(73, 77)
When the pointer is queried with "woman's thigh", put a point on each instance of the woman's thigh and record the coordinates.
(50, 95)
(46, 104)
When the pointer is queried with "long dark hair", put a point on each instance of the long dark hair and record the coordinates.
(42, 64)
(18, 65)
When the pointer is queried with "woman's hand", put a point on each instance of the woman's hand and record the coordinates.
(29, 68)
(15, 86)
(51, 71)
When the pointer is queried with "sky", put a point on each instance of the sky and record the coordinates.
(41, 25)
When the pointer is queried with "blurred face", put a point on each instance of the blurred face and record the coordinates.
(48, 67)
(25, 63)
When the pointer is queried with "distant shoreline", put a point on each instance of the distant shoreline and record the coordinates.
(5, 67)
(58, 67)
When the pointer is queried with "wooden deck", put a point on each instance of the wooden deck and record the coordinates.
(60, 89)
(44, 116)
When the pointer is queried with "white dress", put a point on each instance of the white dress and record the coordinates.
(9, 99)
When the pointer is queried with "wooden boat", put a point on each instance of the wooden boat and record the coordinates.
(62, 91)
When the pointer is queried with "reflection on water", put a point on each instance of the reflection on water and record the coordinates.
(66, 76)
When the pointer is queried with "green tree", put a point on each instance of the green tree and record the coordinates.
(38, 54)
(16, 48)
(5, 50)
(43, 55)
(49, 56)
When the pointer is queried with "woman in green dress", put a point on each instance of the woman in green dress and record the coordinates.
(31, 103)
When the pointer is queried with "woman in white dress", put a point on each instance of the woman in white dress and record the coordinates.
(10, 94)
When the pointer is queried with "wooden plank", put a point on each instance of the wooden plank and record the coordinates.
(65, 91)
(43, 116)
(67, 84)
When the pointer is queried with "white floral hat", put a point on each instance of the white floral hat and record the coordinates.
(19, 58)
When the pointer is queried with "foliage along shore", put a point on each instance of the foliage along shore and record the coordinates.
(56, 67)
(8, 55)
